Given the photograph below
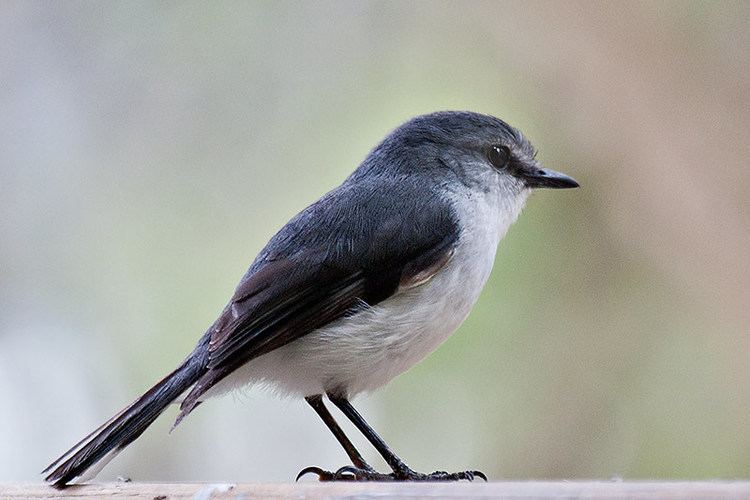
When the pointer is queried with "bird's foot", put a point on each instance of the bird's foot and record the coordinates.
(350, 473)
(406, 474)
(346, 473)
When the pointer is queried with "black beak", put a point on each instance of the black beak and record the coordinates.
(544, 178)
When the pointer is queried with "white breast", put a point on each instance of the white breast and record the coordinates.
(365, 351)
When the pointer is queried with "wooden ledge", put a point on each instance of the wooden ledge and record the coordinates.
(527, 489)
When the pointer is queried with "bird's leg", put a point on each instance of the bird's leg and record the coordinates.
(401, 472)
(344, 473)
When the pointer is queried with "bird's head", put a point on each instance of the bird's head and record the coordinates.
(482, 151)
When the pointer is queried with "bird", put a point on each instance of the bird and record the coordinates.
(355, 289)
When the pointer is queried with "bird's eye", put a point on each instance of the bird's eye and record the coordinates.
(499, 156)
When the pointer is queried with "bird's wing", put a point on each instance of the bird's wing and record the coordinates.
(349, 248)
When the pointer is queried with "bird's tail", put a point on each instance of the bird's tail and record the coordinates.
(91, 454)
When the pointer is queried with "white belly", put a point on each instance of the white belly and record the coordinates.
(363, 352)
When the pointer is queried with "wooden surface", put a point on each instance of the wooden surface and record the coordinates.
(531, 489)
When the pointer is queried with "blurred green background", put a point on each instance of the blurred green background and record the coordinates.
(149, 150)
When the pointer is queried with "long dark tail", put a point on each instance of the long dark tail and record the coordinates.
(85, 459)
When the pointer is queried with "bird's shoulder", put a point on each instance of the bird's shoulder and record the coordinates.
(361, 225)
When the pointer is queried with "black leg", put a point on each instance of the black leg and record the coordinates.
(361, 470)
(395, 463)
(401, 472)
(317, 404)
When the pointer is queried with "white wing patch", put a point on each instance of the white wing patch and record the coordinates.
(425, 275)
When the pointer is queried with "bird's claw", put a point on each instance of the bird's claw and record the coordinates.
(351, 473)
(323, 475)
(410, 475)
(467, 475)
(480, 474)
(347, 473)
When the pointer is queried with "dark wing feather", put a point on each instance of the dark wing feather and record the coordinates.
(374, 240)
(284, 318)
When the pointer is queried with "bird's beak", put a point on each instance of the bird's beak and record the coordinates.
(546, 178)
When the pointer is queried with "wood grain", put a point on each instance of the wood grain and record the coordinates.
(519, 490)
